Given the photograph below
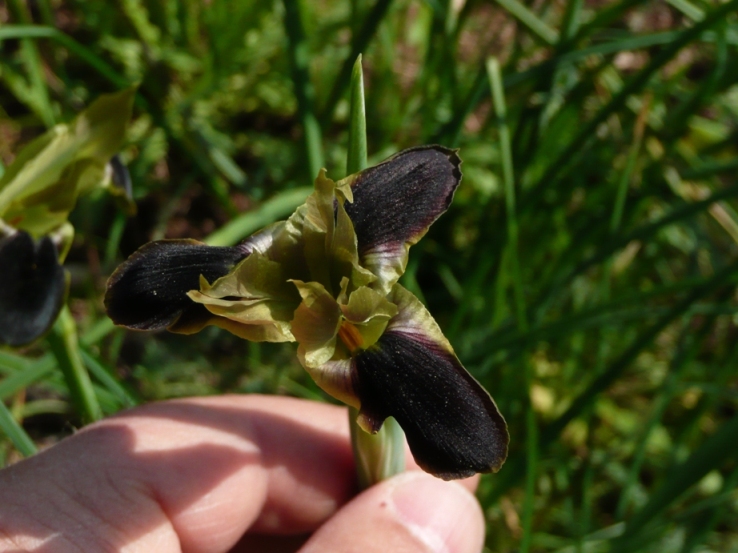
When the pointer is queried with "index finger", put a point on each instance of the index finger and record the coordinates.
(193, 474)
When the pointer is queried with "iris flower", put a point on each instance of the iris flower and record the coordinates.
(38, 190)
(327, 278)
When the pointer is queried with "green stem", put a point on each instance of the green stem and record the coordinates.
(381, 455)
(65, 347)
(511, 251)
(304, 90)
(377, 456)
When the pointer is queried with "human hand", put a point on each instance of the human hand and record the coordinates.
(229, 473)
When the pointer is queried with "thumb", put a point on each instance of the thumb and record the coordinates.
(412, 512)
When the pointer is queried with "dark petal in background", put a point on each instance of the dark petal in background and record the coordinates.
(396, 201)
(452, 425)
(149, 290)
(120, 175)
(32, 288)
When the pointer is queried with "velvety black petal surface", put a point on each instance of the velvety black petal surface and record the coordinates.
(149, 290)
(396, 201)
(32, 288)
(452, 425)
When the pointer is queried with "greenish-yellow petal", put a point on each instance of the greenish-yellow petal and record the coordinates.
(368, 312)
(41, 186)
(315, 323)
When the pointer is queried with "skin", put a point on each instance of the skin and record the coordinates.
(230, 473)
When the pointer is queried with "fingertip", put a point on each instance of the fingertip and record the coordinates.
(444, 516)
(410, 512)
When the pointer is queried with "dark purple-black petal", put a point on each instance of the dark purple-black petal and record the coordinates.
(396, 201)
(121, 178)
(149, 290)
(452, 425)
(32, 288)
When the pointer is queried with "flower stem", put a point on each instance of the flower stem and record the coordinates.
(378, 456)
(65, 347)
(382, 455)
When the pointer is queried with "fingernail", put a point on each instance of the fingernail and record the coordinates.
(442, 515)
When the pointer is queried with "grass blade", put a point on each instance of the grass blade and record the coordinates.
(358, 45)
(539, 29)
(272, 210)
(717, 449)
(8, 32)
(10, 427)
(103, 375)
(303, 87)
(64, 345)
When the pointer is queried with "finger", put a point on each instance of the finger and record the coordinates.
(194, 474)
(412, 512)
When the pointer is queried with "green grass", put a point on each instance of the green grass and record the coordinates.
(586, 273)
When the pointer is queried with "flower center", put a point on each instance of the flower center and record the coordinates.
(350, 336)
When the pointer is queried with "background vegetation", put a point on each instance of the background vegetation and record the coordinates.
(586, 273)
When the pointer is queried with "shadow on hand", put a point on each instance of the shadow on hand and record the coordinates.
(107, 476)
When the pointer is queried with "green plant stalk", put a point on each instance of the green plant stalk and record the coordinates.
(10, 427)
(382, 455)
(65, 347)
(304, 91)
(360, 41)
(377, 456)
(508, 177)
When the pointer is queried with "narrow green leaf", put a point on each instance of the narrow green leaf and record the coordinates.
(711, 455)
(22, 379)
(10, 427)
(534, 24)
(358, 45)
(273, 209)
(498, 100)
(65, 347)
(357, 120)
(304, 91)
(579, 145)
(689, 9)
(8, 32)
(103, 375)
